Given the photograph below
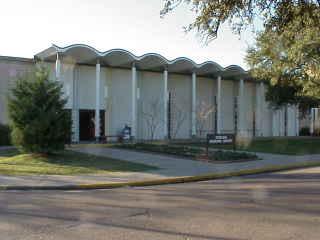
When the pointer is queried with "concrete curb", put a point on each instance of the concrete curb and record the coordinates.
(161, 181)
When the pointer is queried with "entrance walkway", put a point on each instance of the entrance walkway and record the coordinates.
(177, 167)
(170, 167)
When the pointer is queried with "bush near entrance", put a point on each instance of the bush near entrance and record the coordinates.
(37, 116)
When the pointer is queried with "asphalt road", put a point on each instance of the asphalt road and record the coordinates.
(282, 205)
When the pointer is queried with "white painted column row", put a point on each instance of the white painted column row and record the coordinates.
(165, 102)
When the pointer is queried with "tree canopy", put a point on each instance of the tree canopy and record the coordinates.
(291, 58)
(275, 14)
(287, 49)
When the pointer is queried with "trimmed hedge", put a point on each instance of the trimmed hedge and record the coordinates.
(4, 135)
(183, 151)
(304, 131)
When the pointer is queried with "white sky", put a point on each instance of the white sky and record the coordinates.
(28, 27)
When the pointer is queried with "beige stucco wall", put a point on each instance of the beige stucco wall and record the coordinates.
(180, 88)
(150, 105)
(227, 106)
(249, 103)
(292, 125)
(206, 91)
(120, 100)
(267, 114)
(9, 70)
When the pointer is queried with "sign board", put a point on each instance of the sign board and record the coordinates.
(221, 139)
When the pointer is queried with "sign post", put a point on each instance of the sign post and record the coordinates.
(221, 139)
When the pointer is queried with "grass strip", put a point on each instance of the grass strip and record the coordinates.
(164, 181)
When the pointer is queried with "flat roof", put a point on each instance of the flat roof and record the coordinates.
(17, 59)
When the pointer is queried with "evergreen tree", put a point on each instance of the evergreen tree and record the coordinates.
(38, 120)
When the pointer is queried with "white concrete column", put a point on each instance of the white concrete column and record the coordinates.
(297, 120)
(286, 120)
(133, 101)
(75, 106)
(58, 67)
(258, 110)
(262, 107)
(316, 121)
(194, 102)
(165, 103)
(274, 123)
(281, 121)
(218, 99)
(97, 115)
(311, 122)
(241, 107)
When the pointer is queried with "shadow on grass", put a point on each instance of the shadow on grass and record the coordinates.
(63, 163)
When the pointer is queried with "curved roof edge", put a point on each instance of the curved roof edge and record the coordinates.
(57, 49)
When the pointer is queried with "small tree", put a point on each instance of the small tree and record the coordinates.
(36, 112)
(204, 110)
(179, 116)
(152, 114)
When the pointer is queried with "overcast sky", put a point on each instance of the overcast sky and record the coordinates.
(28, 27)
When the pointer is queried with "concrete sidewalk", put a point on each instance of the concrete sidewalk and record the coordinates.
(170, 167)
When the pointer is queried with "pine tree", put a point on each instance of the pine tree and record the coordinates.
(38, 120)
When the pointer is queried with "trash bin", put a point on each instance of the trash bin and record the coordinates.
(126, 133)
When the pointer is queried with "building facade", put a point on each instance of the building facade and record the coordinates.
(157, 98)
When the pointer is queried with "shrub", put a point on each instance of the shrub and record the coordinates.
(231, 156)
(189, 152)
(316, 132)
(4, 135)
(304, 131)
(37, 116)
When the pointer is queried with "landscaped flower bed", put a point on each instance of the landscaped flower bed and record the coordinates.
(188, 152)
(231, 156)
(163, 148)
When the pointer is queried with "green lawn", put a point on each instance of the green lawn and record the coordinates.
(278, 146)
(65, 163)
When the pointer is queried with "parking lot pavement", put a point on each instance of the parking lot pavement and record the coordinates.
(282, 205)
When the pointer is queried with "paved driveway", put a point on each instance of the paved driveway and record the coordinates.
(175, 167)
(272, 206)
(170, 167)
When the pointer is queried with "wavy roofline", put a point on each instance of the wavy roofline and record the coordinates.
(138, 58)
